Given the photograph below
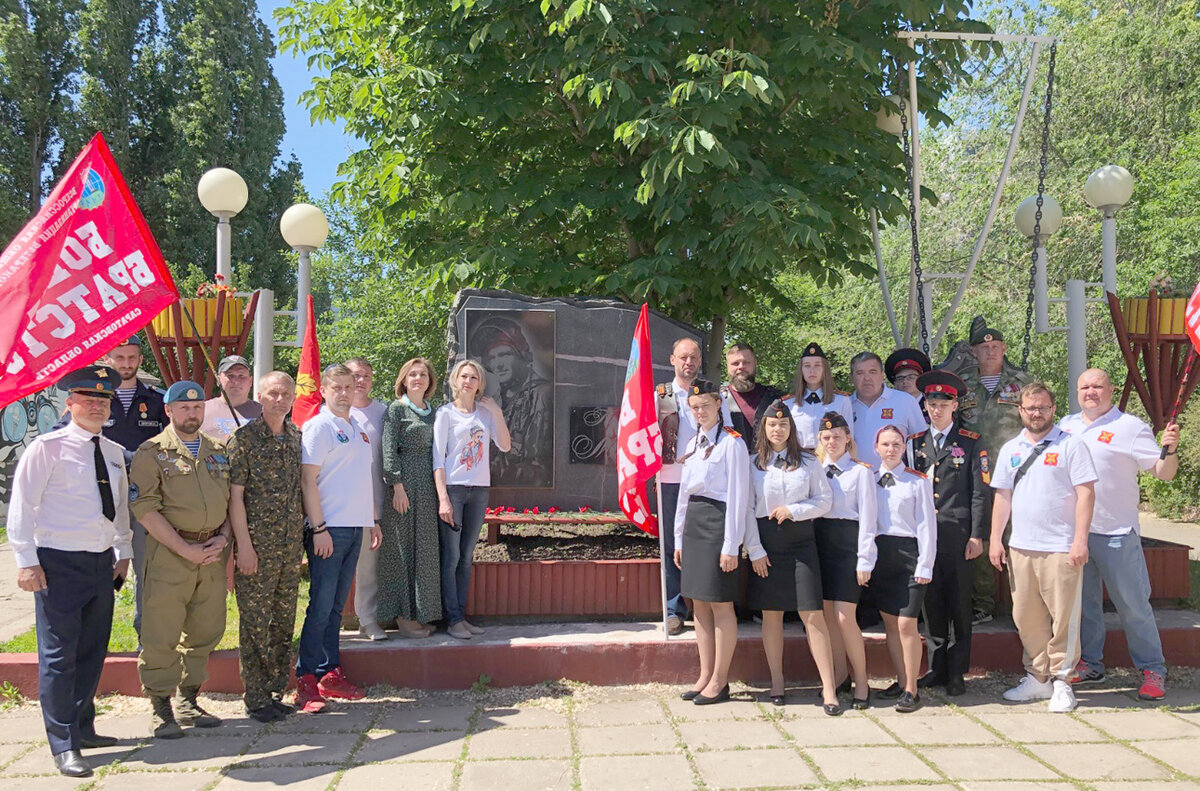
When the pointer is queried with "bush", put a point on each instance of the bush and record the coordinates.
(1177, 499)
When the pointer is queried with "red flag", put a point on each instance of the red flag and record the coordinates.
(308, 397)
(639, 443)
(1191, 315)
(81, 277)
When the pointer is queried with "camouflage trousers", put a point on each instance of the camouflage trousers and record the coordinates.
(267, 607)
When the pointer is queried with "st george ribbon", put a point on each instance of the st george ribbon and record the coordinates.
(639, 443)
(81, 277)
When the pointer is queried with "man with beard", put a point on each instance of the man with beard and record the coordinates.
(137, 415)
(744, 398)
(1045, 480)
(179, 489)
(525, 399)
(235, 379)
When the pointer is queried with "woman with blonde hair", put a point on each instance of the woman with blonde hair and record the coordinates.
(410, 559)
(845, 540)
(463, 432)
(814, 396)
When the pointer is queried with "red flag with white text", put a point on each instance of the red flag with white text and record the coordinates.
(308, 376)
(1191, 315)
(639, 443)
(81, 277)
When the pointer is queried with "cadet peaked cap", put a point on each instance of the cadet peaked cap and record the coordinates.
(985, 334)
(813, 350)
(941, 384)
(230, 361)
(833, 420)
(901, 359)
(184, 390)
(94, 380)
(703, 387)
(777, 409)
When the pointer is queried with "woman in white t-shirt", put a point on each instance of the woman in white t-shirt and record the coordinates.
(463, 432)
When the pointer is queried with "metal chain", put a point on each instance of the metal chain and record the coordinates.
(912, 224)
(1037, 216)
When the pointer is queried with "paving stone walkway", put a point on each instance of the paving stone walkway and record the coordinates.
(570, 736)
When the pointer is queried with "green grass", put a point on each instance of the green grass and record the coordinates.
(1193, 601)
(124, 639)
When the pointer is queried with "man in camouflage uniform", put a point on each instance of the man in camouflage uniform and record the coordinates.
(989, 408)
(267, 515)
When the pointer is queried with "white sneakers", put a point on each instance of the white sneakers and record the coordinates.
(1030, 689)
(1063, 698)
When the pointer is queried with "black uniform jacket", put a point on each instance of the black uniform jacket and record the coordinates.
(145, 419)
(960, 494)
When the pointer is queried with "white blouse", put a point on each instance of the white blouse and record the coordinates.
(854, 498)
(906, 509)
(724, 476)
(808, 416)
(804, 491)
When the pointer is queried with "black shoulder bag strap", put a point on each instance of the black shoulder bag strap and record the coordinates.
(1037, 451)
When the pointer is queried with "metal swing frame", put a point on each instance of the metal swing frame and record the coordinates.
(919, 296)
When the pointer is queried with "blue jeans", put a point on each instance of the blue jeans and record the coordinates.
(329, 585)
(458, 547)
(666, 526)
(1118, 561)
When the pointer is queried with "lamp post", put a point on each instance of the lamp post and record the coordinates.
(305, 229)
(1108, 189)
(223, 193)
(1050, 222)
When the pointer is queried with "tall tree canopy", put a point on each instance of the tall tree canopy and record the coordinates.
(177, 87)
(682, 153)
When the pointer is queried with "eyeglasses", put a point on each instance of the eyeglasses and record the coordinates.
(1037, 410)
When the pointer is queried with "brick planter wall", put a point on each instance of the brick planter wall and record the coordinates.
(566, 587)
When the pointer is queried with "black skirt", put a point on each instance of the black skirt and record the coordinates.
(893, 589)
(793, 582)
(703, 537)
(837, 549)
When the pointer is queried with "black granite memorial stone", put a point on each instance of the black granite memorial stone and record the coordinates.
(557, 367)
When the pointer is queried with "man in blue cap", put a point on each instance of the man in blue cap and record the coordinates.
(69, 530)
(179, 489)
(137, 415)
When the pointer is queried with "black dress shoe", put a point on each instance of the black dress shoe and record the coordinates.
(956, 686)
(720, 697)
(267, 713)
(832, 709)
(283, 708)
(71, 764)
(778, 700)
(908, 702)
(862, 704)
(892, 692)
(844, 687)
(690, 694)
(930, 680)
(90, 741)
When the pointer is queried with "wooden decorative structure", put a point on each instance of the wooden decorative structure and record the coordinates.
(1152, 328)
(223, 322)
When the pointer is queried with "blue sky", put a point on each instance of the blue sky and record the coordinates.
(319, 147)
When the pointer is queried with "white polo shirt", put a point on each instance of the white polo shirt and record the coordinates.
(342, 449)
(1121, 446)
(894, 407)
(808, 416)
(1043, 509)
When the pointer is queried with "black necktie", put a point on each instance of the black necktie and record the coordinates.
(813, 398)
(937, 442)
(887, 480)
(702, 441)
(779, 462)
(106, 497)
(833, 471)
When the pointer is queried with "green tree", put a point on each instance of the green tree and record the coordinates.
(681, 154)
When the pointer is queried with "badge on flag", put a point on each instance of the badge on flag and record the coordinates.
(308, 396)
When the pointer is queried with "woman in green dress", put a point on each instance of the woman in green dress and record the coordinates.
(409, 558)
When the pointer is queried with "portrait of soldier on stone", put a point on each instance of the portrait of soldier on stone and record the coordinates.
(516, 348)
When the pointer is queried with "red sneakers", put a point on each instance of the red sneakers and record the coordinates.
(308, 695)
(334, 685)
(1153, 686)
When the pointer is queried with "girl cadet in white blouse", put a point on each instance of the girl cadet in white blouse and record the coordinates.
(906, 540)
(814, 396)
(845, 539)
(710, 522)
(788, 490)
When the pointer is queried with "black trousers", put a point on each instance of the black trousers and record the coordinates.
(74, 618)
(948, 611)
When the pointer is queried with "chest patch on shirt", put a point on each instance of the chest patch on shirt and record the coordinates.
(133, 492)
(1015, 461)
(342, 437)
(1106, 437)
(886, 414)
(363, 434)
(1050, 460)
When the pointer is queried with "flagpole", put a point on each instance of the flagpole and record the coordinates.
(662, 553)
(212, 369)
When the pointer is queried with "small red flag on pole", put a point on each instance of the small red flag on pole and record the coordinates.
(639, 443)
(308, 377)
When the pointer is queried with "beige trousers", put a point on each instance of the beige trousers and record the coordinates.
(1047, 600)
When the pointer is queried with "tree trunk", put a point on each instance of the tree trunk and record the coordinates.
(714, 360)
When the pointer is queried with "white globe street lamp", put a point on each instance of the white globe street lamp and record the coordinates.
(305, 229)
(888, 119)
(223, 193)
(1051, 220)
(1108, 189)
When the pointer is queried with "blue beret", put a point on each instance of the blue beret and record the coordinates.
(99, 380)
(184, 390)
